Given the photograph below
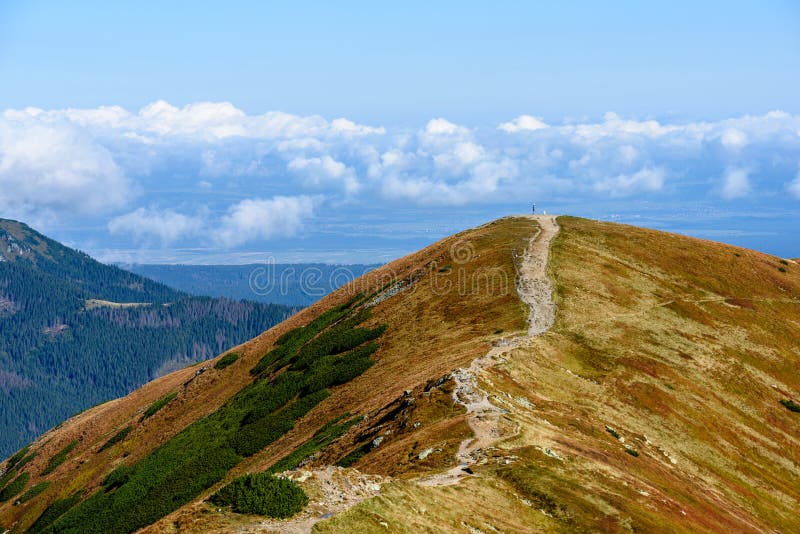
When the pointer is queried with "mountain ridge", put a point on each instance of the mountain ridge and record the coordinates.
(653, 402)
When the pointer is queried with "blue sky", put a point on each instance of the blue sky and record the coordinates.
(358, 131)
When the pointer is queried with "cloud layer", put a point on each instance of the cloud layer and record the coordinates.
(209, 171)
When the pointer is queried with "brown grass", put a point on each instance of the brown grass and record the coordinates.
(683, 346)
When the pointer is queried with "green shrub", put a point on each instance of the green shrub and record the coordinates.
(226, 360)
(262, 494)
(782, 269)
(354, 456)
(15, 487)
(784, 262)
(53, 512)
(631, 452)
(322, 438)
(256, 435)
(18, 465)
(157, 405)
(612, 432)
(17, 456)
(59, 458)
(116, 438)
(791, 405)
(117, 478)
(33, 491)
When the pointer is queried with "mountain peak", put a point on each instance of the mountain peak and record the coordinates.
(442, 378)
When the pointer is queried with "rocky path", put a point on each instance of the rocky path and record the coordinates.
(486, 420)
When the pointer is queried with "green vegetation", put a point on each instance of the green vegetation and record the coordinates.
(17, 456)
(354, 456)
(632, 452)
(58, 458)
(262, 494)
(782, 269)
(48, 365)
(263, 411)
(324, 437)
(157, 405)
(784, 262)
(54, 511)
(226, 360)
(34, 490)
(612, 432)
(11, 471)
(791, 405)
(116, 438)
(15, 487)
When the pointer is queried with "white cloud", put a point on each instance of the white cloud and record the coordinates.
(320, 171)
(736, 183)
(166, 226)
(523, 123)
(254, 219)
(99, 161)
(249, 220)
(57, 167)
(347, 127)
(645, 180)
(443, 127)
(733, 138)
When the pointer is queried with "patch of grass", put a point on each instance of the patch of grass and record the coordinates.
(263, 494)
(526, 482)
(54, 511)
(17, 485)
(498, 331)
(354, 456)
(226, 360)
(157, 405)
(784, 262)
(17, 456)
(18, 465)
(790, 405)
(782, 269)
(612, 432)
(632, 452)
(323, 437)
(59, 458)
(116, 438)
(33, 491)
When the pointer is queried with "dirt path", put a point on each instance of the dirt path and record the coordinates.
(486, 420)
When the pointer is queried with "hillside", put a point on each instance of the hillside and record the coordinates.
(299, 284)
(658, 397)
(75, 332)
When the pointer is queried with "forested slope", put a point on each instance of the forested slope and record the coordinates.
(75, 332)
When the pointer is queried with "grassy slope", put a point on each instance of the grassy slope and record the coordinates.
(684, 348)
(432, 333)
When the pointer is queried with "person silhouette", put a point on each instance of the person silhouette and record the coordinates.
(533, 207)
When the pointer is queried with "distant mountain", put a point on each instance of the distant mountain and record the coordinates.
(75, 332)
(298, 284)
